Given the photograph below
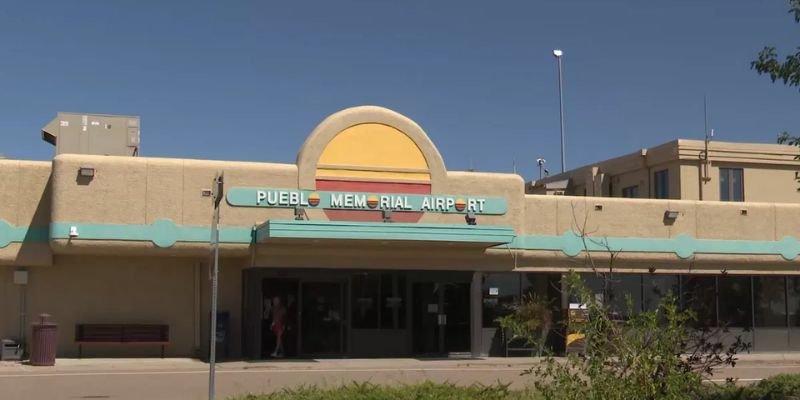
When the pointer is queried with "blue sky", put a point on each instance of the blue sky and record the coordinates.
(248, 80)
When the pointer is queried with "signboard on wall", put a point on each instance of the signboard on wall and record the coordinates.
(290, 198)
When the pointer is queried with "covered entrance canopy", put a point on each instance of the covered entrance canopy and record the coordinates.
(431, 234)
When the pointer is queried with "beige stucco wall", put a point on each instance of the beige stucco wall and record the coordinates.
(116, 290)
(25, 201)
(138, 190)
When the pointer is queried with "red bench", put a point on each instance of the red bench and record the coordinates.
(121, 334)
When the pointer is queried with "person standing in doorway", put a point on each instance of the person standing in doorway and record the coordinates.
(278, 325)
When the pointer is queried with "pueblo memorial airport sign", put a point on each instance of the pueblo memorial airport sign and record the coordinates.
(288, 198)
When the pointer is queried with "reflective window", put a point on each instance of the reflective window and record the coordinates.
(657, 287)
(500, 291)
(794, 301)
(631, 192)
(769, 296)
(699, 294)
(393, 305)
(614, 290)
(731, 184)
(365, 300)
(378, 301)
(735, 302)
(661, 184)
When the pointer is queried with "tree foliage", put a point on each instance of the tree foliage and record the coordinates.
(649, 355)
(768, 62)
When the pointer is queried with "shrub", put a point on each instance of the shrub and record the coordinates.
(422, 391)
(778, 387)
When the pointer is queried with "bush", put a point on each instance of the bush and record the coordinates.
(422, 391)
(778, 387)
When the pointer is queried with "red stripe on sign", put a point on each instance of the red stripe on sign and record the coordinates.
(374, 187)
(371, 216)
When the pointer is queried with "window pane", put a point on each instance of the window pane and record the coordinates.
(735, 307)
(794, 301)
(699, 294)
(724, 185)
(393, 294)
(731, 184)
(770, 301)
(737, 182)
(500, 290)
(662, 184)
(621, 287)
(656, 287)
(631, 192)
(365, 300)
(618, 288)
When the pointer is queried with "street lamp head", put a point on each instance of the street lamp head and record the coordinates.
(558, 53)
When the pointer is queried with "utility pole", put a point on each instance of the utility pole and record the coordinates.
(558, 54)
(216, 195)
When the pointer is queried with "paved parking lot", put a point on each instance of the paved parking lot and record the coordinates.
(188, 379)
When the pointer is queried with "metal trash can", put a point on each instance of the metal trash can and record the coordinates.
(43, 341)
(11, 350)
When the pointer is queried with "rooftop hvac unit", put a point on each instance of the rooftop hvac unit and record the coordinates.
(113, 135)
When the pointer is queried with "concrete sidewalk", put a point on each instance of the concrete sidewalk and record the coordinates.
(181, 378)
(67, 365)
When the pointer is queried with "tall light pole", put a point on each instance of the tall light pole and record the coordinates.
(217, 193)
(558, 53)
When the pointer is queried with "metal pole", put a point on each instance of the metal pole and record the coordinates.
(561, 109)
(218, 182)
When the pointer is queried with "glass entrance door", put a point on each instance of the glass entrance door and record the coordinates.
(441, 318)
(321, 318)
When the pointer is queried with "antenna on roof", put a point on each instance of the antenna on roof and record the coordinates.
(708, 136)
(705, 118)
(514, 165)
(470, 166)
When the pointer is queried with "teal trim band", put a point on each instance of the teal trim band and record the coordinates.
(684, 246)
(163, 232)
(291, 229)
(434, 203)
(19, 234)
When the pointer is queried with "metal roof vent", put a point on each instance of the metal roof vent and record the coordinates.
(113, 135)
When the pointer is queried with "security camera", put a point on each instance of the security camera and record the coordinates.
(540, 161)
(558, 53)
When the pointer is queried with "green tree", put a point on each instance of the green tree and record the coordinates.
(787, 71)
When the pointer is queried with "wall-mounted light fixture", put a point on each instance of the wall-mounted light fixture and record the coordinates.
(73, 231)
(387, 215)
(671, 215)
(299, 213)
(470, 218)
(86, 172)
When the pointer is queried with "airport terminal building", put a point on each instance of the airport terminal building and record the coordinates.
(371, 246)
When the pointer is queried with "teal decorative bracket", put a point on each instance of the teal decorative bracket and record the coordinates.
(18, 234)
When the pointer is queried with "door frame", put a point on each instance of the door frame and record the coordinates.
(443, 279)
(344, 325)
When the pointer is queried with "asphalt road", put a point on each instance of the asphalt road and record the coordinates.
(191, 382)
